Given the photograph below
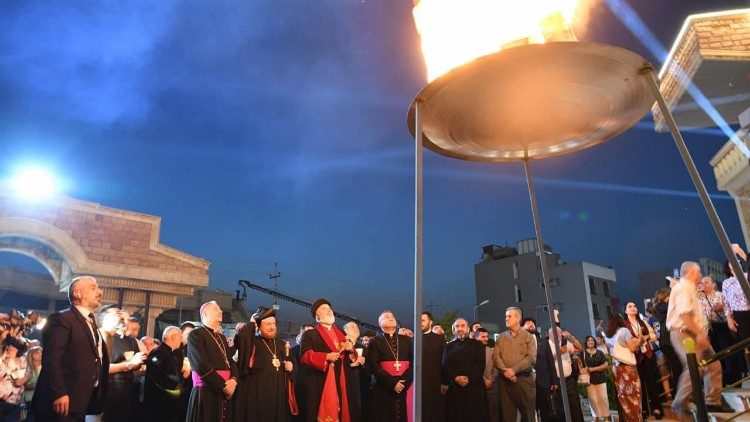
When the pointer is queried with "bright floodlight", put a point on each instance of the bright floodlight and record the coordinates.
(34, 183)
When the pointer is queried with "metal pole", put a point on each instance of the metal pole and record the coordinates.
(547, 291)
(696, 381)
(417, 356)
(653, 83)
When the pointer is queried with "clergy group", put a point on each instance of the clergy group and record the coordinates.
(334, 374)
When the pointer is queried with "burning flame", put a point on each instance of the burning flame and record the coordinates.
(455, 32)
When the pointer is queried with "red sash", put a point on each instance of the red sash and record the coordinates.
(198, 382)
(390, 367)
(329, 401)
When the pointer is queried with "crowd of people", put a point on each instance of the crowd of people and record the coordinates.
(83, 366)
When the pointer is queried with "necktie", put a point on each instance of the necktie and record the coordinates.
(95, 329)
(97, 339)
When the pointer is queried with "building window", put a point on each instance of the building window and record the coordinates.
(515, 270)
(606, 288)
(595, 310)
(609, 311)
(592, 285)
(517, 290)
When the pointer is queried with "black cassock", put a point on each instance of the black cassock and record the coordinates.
(313, 348)
(465, 357)
(433, 406)
(208, 353)
(387, 405)
(163, 386)
(262, 390)
(299, 384)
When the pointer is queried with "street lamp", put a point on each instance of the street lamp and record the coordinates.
(484, 302)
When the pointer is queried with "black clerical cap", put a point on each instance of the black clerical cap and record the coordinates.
(317, 304)
(264, 313)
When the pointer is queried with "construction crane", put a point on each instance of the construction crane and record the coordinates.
(246, 284)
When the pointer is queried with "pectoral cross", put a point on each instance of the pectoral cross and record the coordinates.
(397, 365)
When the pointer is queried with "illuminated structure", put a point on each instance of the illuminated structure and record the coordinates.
(713, 52)
(120, 248)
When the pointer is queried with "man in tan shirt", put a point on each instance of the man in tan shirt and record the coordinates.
(514, 356)
(685, 319)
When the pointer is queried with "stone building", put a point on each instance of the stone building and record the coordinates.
(120, 248)
(712, 51)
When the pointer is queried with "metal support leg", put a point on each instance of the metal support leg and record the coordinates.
(547, 291)
(653, 83)
(417, 390)
(696, 381)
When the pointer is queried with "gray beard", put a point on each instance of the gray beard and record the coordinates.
(328, 320)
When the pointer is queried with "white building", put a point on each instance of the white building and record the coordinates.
(584, 293)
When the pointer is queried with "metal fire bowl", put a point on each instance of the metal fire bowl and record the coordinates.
(538, 101)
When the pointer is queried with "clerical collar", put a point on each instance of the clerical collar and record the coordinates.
(327, 327)
(391, 334)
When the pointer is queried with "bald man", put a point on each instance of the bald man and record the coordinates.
(214, 372)
(75, 362)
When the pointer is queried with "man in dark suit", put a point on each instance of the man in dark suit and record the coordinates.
(75, 362)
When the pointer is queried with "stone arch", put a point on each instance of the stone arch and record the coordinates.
(49, 245)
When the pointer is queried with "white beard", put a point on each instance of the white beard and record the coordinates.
(327, 320)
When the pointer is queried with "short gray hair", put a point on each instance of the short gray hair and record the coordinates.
(74, 284)
(685, 267)
(386, 311)
(515, 309)
(169, 329)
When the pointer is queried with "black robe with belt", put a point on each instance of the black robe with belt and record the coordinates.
(209, 352)
(387, 405)
(163, 387)
(261, 393)
(433, 406)
(465, 357)
(313, 349)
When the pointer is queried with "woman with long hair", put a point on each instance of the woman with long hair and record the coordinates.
(12, 379)
(33, 368)
(627, 383)
(646, 359)
(595, 364)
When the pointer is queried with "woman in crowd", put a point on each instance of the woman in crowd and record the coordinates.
(646, 361)
(33, 368)
(626, 373)
(712, 303)
(12, 380)
(595, 364)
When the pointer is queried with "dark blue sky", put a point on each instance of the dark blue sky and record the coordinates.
(274, 131)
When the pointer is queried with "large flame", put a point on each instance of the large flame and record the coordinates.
(457, 31)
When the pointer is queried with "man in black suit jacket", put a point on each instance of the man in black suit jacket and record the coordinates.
(75, 362)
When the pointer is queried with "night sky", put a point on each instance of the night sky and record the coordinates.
(275, 131)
